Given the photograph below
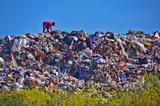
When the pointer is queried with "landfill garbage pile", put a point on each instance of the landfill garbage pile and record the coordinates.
(73, 60)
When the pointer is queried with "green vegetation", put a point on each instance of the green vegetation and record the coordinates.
(146, 94)
(132, 32)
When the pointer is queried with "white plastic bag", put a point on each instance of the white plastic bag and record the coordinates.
(1, 60)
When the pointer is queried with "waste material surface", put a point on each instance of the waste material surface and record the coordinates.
(73, 60)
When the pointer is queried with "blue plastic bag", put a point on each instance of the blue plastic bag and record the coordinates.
(62, 68)
(79, 73)
(122, 76)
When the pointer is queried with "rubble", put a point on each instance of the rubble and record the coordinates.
(70, 61)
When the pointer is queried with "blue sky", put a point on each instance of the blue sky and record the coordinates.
(22, 16)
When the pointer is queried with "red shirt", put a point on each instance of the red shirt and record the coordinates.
(48, 24)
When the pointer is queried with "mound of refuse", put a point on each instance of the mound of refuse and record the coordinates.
(70, 61)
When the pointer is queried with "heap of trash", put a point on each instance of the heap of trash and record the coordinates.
(71, 61)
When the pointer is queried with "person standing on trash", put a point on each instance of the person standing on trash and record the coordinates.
(48, 25)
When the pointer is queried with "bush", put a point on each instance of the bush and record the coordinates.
(33, 97)
(37, 97)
